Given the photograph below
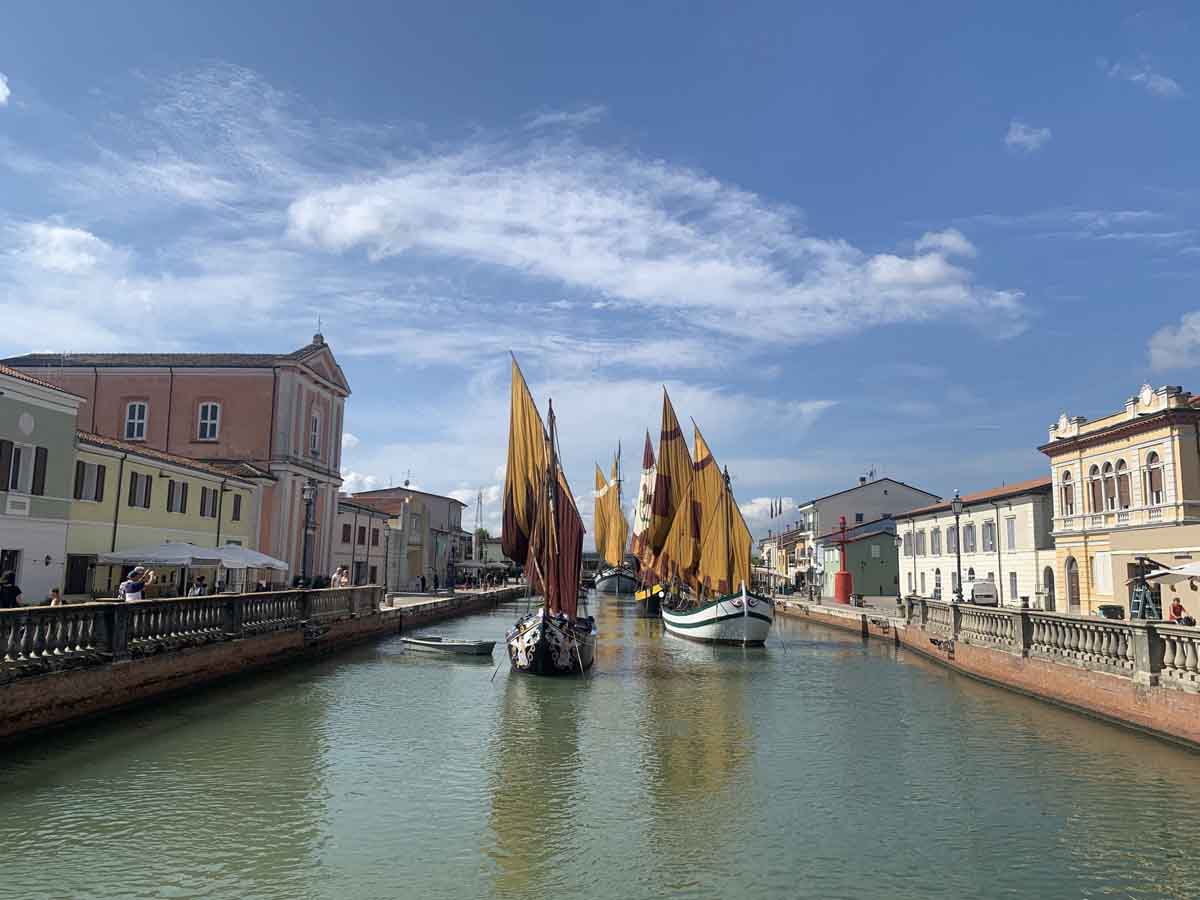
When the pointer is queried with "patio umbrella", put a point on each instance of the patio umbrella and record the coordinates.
(1175, 574)
(234, 557)
(168, 553)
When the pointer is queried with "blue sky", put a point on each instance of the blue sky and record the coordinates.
(869, 236)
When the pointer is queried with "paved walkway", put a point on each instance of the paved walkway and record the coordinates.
(400, 600)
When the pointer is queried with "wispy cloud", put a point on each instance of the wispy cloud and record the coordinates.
(5, 91)
(579, 118)
(1144, 77)
(1025, 138)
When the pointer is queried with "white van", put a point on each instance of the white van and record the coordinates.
(982, 593)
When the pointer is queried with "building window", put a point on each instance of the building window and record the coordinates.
(951, 540)
(922, 584)
(989, 537)
(937, 584)
(38, 487)
(362, 535)
(920, 543)
(910, 582)
(1110, 487)
(875, 552)
(971, 574)
(89, 481)
(136, 414)
(237, 508)
(1154, 480)
(1124, 498)
(208, 502)
(935, 542)
(1010, 532)
(209, 424)
(140, 487)
(1096, 489)
(1012, 586)
(374, 576)
(177, 492)
(858, 517)
(1067, 495)
(968, 539)
(374, 537)
(314, 435)
(10, 466)
(347, 529)
(908, 548)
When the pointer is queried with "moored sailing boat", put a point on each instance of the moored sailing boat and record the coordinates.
(706, 559)
(610, 530)
(542, 526)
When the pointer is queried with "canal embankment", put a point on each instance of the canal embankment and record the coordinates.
(65, 663)
(1141, 675)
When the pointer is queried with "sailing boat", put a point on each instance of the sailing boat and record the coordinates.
(611, 529)
(706, 558)
(542, 526)
(663, 486)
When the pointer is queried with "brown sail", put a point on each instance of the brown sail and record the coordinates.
(681, 552)
(524, 477)
(671, 479)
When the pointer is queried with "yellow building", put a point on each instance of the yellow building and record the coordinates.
(129, 495)
(1123, 485)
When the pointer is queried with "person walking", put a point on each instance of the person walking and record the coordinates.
(10, 593)
(133, 587)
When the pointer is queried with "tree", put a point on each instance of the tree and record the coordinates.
(482, 534)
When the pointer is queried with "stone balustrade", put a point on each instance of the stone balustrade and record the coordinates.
(1149, 652)
(45, 638)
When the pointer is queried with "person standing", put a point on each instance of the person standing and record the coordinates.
(132, 588)
(10, 593)
(54, 598)
(198, 588)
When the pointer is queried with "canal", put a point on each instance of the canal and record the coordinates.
(821, 766)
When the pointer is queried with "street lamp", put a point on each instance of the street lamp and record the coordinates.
(308, 492)
(956, 505)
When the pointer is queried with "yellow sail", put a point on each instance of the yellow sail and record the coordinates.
(671, 479)
(619, 533)
(524, 478)
(608, 519)
(725, 550)
(600, 514)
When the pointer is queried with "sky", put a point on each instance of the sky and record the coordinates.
(891, 237)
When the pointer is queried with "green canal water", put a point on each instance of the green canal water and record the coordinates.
(817, 767)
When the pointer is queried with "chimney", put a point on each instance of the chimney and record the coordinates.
(862, 479)
(318, 338)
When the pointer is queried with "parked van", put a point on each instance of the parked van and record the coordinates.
(982, 593)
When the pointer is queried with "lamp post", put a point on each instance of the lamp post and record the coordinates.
(308, 492)
(956, 505)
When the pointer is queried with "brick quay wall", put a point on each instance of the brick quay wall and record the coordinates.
(1141, 675)
(67, 663)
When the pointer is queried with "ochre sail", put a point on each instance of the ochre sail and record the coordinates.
(600, 516)
(725, 550)
(680, 556)
(524, 478)
(671, 479)
(640, 545)
(619, 528)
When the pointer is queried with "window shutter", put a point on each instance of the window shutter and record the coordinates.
(133, 490)
(149, 484)
(1123, 490)
(1156, 481)
(39, 472)
(183, 497)
(6, 450)
(237, 507)
(99, 483)
(79, 474)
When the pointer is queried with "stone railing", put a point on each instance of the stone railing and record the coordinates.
(1148, 652)
(45, 638)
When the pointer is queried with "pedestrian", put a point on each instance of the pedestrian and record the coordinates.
(132, 588)
(435, 582)
(422, 584)
(198, 588)
(54, 598)
(10, 594)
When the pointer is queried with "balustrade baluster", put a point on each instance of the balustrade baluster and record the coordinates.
(1189, 656)
(1168, 650)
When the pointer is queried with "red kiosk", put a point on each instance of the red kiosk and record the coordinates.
(843, 581)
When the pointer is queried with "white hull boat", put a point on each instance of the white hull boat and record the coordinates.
(744, 618)
(434, 644)
(552, 645)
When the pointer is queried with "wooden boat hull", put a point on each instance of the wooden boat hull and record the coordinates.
(616, 581)
(444, 646)
(544, 645)
(727, 620)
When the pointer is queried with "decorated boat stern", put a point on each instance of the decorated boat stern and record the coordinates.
(550, 645)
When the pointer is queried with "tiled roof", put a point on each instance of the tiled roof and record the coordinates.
(240, 468)
(1033, 485)
(181, 360)
(21, 376)
(99, 440)
(396, 494)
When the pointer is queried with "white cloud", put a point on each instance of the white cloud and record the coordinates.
(951, 242)
(1025, 137)
(648, 235)
(1144, 77)
(1176, 346)
(62, 249)
(5, 91)
(580, 118)
(757, 513)
(349, 441)
(353, 482)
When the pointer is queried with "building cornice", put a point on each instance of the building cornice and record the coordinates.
(1160, 419)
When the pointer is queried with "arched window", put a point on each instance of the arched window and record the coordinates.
(1110, 487)
(971, 574)
(1067, 495)
(1096, 489)
(1154, 480)
(1048, 588)
(1124, 500)
(968, 538)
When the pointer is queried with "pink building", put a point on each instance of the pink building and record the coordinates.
(273, 419)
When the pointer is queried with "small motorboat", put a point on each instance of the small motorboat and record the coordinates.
(437, 644)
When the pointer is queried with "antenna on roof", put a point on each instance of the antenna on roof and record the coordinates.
(407, 477)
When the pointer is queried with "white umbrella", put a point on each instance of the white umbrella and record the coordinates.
(169, 553)
(235, 557)
(1175, 575)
